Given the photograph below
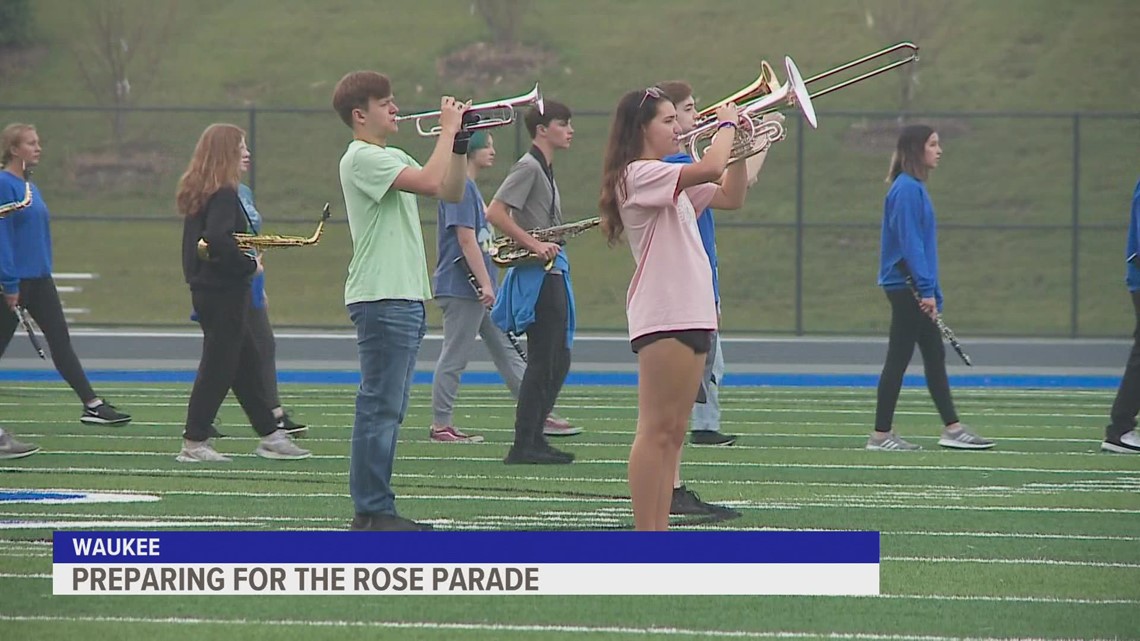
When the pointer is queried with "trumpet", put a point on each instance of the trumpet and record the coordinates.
(753, 133)
(261, 242)
(496, 113)
(507, 252)
(8, 208)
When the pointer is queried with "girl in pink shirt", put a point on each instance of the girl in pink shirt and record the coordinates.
(670, 303)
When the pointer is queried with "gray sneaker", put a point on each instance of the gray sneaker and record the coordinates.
(280, 447)
(10, 448)
(963, 439)
(200, 452)
(892, 443)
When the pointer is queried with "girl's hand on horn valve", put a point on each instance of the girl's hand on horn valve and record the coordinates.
(728, 113)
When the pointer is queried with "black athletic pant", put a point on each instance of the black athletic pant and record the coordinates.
(40, 298)
(548, 362)
(1127, 403)
(267, 349)
(909, 326)
(230, 360)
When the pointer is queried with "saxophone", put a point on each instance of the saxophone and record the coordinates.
(261, 242)
(8, 208)
(507, 252)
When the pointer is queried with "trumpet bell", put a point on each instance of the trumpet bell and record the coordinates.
(798, 90)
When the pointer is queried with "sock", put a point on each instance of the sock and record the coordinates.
(93, 404)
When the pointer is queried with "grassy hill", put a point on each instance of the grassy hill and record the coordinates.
(981, 62)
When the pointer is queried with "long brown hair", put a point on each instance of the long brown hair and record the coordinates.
(12, 135)
(910, 151)
(634, 111)
(216, 163)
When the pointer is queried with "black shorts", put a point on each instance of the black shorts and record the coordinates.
(699, 340)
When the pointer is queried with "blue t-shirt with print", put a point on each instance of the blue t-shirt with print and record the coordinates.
(450, 278)
(257, 285)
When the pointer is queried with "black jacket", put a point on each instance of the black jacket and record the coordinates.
(228, 266)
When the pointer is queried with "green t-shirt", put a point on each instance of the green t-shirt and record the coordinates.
(388, 260)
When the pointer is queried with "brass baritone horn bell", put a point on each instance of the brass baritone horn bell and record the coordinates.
(246, 242)
(496, 113)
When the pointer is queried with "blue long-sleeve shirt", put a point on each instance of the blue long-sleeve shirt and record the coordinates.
(25, 236)
(706, 224)
(1132, 251)
(911, 235)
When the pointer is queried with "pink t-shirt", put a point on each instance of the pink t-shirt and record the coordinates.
(672, 284)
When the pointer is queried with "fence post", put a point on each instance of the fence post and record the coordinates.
(1076, 231)
(799, 226)
(252, 144)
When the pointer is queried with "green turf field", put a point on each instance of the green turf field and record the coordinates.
(1038, 538)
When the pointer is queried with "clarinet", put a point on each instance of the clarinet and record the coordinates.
(22, 314)
(942, 327)
(514, 340)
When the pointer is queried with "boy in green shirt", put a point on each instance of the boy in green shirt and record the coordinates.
(387, 277)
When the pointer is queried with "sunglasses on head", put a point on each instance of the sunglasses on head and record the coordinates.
(656, 92)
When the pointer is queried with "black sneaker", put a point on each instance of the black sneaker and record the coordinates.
(1128, 443)
(688, 502)
(387, 523)
(291, 428)
(104, 414)
(537, 455)
(705, 437)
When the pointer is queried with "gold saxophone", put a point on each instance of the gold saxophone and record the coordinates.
(506, 252)
(8, 208)
(260, 242)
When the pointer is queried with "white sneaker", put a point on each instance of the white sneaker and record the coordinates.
(280, 447)
(200, 452)
(10, 448)
(1127, 444)
(963, 439)
(891, 443)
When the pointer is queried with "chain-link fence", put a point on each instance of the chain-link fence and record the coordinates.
(1032, 210)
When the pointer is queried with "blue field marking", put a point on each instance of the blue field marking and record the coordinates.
(599, 379)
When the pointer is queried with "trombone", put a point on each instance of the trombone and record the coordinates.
(496, 113)
(764, 95)
(766, 83)
(8, 208)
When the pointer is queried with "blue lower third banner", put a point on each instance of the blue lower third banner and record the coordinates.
(393, 563)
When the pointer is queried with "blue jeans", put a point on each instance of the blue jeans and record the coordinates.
(388, 337)
(706, 416)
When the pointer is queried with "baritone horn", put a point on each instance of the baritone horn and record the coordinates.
(262, 242)
(496, 113)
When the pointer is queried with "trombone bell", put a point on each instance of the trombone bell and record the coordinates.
(496, 113)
